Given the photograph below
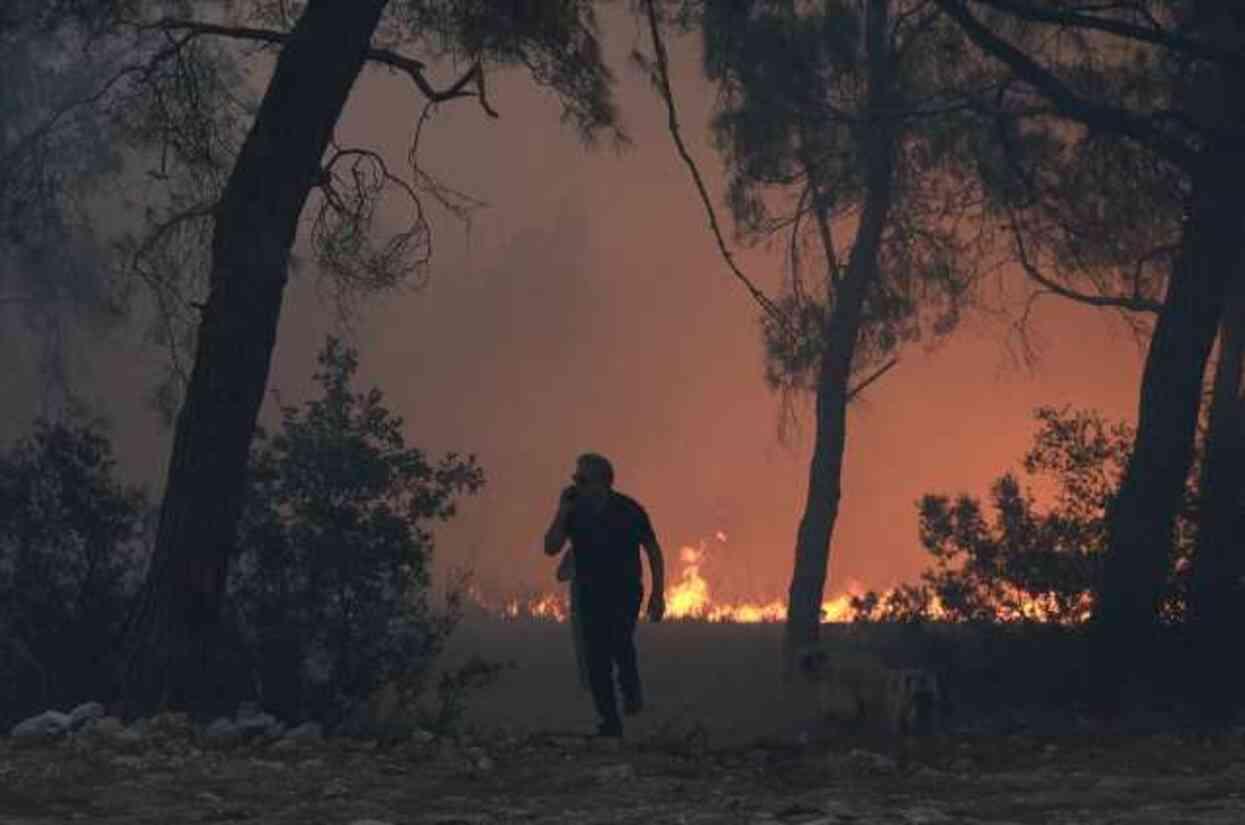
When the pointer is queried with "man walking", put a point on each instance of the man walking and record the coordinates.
(606, 530)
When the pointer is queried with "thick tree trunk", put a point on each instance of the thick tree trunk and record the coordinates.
(1216, 592)
(1140, 531)
(876, 143)
(170, 637)
(1141, 525)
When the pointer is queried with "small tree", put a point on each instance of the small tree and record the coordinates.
(1028, 562)
(330, 587)
(70, 557)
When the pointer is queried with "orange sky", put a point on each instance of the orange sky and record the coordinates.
(587, 310)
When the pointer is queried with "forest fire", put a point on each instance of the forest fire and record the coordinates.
(689, 597)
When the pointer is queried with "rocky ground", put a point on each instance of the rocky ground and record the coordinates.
(171, 773)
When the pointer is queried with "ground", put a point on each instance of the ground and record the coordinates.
(721, 742)
(547, 779)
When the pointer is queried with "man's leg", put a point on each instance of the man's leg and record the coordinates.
(625, 653)
(595, 615)
(577, 636)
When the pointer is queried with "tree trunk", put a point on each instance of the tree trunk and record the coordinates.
(1216, 591)
(170, 637)
(1140, 530)
(876, 144)
(1141, 524)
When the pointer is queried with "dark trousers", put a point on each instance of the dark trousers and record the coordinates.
(608, 616)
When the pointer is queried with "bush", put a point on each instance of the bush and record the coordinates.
(1024, 561)
(329, 589)
(71, 556)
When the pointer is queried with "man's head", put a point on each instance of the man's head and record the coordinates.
(594, 475)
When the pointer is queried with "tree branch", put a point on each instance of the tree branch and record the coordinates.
(1066, 101)
(1132, 303)
(874, 376)
(411, 67)
(1168, 40)
(662, 78)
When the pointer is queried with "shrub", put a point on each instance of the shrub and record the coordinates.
(71, 555)
(330, 585)
(1026, 561)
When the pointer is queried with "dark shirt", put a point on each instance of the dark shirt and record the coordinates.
(606, 544)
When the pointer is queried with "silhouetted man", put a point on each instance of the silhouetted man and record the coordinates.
(607, 530)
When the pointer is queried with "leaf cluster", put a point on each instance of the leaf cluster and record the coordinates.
(330, 583)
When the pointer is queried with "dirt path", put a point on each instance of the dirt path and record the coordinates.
(545, 779)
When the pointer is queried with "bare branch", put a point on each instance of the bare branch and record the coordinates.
(662, 76)
(411, 67)
(874, 376)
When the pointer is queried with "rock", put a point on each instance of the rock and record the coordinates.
(169, 725)
(620, 772)
(47, 725)
(962, 765)
(126, 739)
(870, 761)
(258, 724)
(925, 816)
(1115, 784)
(222, 731)
(85, 713)
(107, 726)
(306, 731)
(422, 737)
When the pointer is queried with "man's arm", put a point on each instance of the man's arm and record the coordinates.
(555, 536)
(656, 566)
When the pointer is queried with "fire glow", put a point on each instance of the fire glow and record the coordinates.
(689, 597)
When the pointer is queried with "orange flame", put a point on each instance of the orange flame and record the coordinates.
(691, 599)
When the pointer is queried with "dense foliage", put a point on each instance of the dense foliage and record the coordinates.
(1030, 553)
(330, 585)
(71, 552)
(329, 592)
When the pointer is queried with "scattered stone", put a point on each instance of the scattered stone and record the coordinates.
(620, 772)
(222, 731)
(258, 724)
(307, 731)
(869, 761)
(47, 725)
(928, 773)
(963, 765)
(126, 739)
(168, 726)
(85, 713)
(1115, 784)
(925, 816)
(107, 726)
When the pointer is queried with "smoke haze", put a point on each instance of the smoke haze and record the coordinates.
(586, 310)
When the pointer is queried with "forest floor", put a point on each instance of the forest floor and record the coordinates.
(567, 779)
(719, 743)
